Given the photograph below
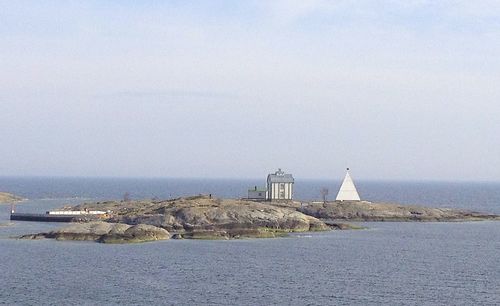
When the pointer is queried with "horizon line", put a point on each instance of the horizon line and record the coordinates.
(244, 178)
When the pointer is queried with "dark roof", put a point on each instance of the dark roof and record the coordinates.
(257, 190)
(280, 177)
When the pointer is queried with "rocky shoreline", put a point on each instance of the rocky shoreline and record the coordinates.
(6, 197)
(105, 232)
(367, 211)
(204, 217)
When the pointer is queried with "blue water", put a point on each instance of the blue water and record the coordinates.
(476, 196)
(388, 264)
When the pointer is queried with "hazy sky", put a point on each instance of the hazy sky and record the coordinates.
(392, 89)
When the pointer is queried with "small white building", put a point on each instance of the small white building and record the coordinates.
(347, 190)
(280, 186)
(76, 212)
(257, 193)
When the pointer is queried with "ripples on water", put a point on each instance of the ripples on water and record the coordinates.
(390, 264)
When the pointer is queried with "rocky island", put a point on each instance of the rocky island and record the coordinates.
(197, 217)
(369, 211)
(266, 213)
(204, 217)
(105, 232)
(9, 198)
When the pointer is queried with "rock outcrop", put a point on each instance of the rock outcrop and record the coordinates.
(9, 198)
(105, 232)
(367, 211)
(204, 217)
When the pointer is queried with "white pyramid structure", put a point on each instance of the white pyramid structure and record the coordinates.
(348, 191)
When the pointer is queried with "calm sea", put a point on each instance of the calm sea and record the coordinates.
(388, 264)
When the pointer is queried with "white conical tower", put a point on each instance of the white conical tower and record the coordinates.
(348, 191)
